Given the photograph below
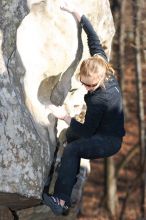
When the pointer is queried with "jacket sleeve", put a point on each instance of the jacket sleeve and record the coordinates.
(93, 40)
(92, 121)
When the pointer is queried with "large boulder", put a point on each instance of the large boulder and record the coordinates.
(40, 49)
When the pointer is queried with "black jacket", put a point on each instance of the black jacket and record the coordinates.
(104, 113)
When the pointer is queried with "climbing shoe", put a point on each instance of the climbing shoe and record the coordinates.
(53, 203)
(65, 210)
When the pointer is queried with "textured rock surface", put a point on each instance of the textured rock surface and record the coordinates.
(37, 46)
(5, 213)
(25, 155)
(42, 213)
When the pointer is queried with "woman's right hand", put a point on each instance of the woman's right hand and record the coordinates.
(58, 111)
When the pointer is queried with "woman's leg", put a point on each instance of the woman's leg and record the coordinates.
(68, 170)
(91, 148)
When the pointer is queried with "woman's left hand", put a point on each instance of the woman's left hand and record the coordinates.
(58, 111)
(67, 6)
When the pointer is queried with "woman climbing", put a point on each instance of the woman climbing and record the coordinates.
(101, 133)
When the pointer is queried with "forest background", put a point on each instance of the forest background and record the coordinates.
(116, 188)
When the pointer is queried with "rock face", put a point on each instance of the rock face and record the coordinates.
(40, 49)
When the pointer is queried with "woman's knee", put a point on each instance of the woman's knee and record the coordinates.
(115, 149)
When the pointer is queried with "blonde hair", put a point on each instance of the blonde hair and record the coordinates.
(96, 65)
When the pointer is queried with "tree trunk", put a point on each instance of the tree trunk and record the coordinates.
(137, 26)
(122, 51)
(143, 31)
(111, 187)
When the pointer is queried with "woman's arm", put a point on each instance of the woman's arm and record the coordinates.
(96, 108)
(93, 39)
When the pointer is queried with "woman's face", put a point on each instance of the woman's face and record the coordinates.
(90, 82)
